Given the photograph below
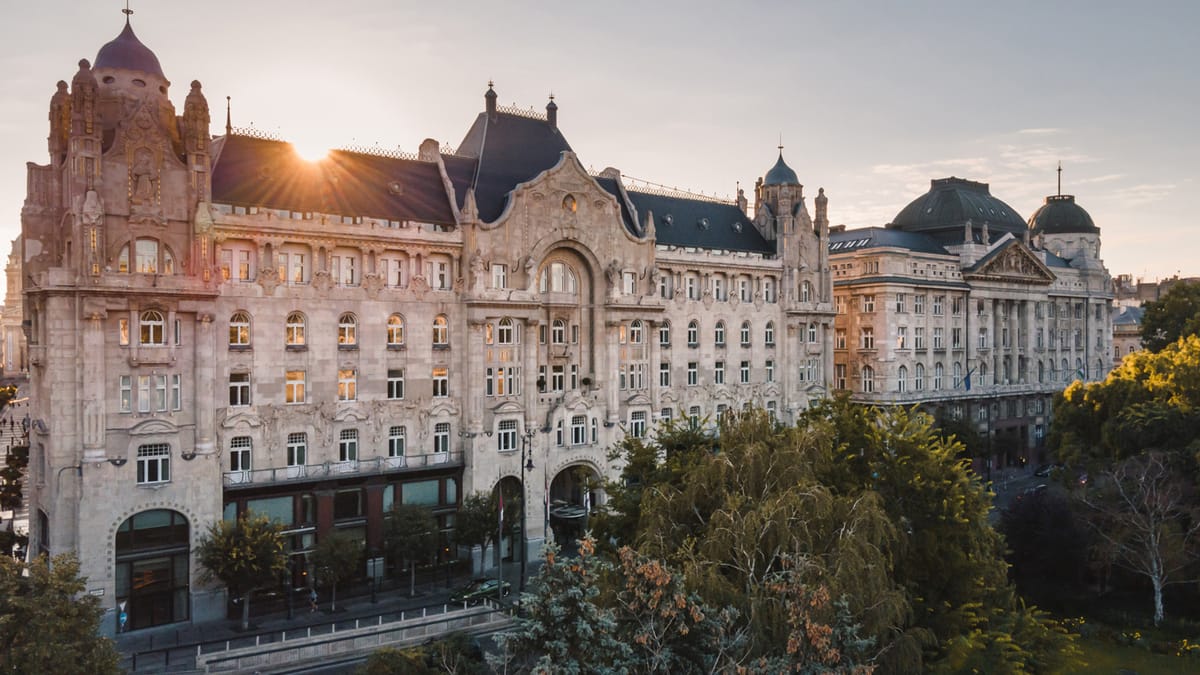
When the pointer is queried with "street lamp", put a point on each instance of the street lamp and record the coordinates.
(526, 466)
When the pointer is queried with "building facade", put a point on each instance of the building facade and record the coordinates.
(218, 326)
(13, 352)
(963, 308)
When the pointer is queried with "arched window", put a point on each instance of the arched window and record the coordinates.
(957, 371)
(983, 374)
(153, 328)
(347, 330)
(395, 330)
(919, 377)
(812, 332)
(693, 333)
(441, 331)
(744, 334)
(293, 330)
(868, 379)
(901, 380)
(938, 372)
(558, 332)
(557, 277)
(664, 334)
(635, 332)
(239, 330)
(719, 334)
(152, 554)
(1041, 372)
(769, 333)
(505, 334)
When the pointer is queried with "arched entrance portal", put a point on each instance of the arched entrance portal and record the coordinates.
(510, 530)
(152, 559)
(574, 493)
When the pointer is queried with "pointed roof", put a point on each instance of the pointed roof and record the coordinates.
(781, 173)
(127, 52)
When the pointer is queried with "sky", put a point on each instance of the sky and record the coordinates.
(871, 99)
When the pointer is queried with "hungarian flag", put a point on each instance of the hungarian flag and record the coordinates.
(500, 507)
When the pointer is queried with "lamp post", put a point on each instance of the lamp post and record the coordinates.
(526, 466)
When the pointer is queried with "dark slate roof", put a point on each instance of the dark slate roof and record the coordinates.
(1129, 316)
(627, 217)
(781, 174)
(128, 53)
(1053, 260)
(700, 223)
(948, 205)
(1061, 215)
(256, 172)
(878, 237)
(502, 153)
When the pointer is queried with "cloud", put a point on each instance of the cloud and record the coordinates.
(1144, 193)
(1040, 131)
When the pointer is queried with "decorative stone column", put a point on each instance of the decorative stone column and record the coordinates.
(205, 382)
(93, 377)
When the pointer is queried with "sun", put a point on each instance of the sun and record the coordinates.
(310, 151)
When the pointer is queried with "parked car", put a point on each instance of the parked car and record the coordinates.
(1047, 469)
(474, 592)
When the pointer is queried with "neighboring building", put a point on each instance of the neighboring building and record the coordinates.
(13, 352)
(1127, 332)
(960, 306)
(1130, 293)
(217, 326)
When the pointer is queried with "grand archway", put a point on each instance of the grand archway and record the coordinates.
(152, 556)
(575, 493)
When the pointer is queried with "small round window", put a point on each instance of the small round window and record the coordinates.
(139, 83)
(109, 79)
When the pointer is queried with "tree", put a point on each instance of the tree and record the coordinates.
(409, 534)
(47, 623)
(15, 464)
(475, 522)
(1173, 316)
(336, 559)
(563, 629)
(1048, 543)
(245, 555)
(1147, 513)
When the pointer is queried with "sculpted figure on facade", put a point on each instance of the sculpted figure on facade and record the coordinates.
(60, 120)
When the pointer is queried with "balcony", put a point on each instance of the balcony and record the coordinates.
(332, 470)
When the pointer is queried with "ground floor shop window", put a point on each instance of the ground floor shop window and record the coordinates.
(152, 556)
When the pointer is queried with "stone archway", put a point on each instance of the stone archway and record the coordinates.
(575, 493)
(152, 559)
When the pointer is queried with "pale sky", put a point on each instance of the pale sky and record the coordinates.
(872, 99)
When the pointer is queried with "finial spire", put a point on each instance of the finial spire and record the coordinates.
(1060, 178)
(781, 143)
(228, 119)
(127, 12)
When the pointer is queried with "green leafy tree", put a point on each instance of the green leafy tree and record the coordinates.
(409, 534)
(47, 623)
(456, 654)
(245, 556)
(336, 558)
(475, 521)
(563, 629)
(1173, 316)
(15, 464)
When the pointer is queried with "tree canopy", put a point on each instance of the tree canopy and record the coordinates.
(1173, 316)
(47, 623)
(245, 555)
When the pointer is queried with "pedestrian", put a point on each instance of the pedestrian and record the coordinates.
(312, 600)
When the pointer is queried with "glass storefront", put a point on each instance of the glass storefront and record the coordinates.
(152, 556)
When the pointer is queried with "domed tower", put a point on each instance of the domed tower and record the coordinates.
(779, 201)
(1065, 229)
(956, 209)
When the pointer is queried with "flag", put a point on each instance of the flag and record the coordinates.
(967, 381)
(500, 507)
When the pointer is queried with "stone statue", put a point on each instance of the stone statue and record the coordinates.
(145, 174)
(92, 212)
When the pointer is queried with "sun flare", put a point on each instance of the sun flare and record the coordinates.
(310, 151)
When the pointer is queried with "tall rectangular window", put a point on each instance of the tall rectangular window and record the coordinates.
(143, 393)
(239, 389)
(293, 388)
(347, 384)
(719, 372)
(441, 437)
(637, 424)
(441, 383)
(239, 453)
(499, 276)
(770, 371)
(395, 383)
(506, 436)
(578, 430)
(297, 449)
(692, 374)
(176, 392)
(664, 374)
(348, 445)
(126, 393)
(396, 441)
(744, 372)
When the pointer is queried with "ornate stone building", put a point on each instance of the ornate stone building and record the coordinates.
(13, 352)
(961, 307)
(217, 325)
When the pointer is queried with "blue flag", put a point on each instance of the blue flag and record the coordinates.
(967, 381)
